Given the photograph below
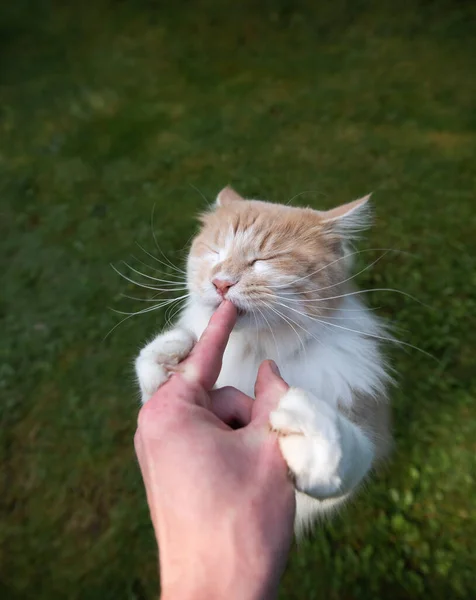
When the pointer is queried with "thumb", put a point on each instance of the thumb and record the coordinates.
(269, 389)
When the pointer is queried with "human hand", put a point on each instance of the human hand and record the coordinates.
(220, 499)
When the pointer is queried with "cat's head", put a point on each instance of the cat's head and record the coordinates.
(274, 262)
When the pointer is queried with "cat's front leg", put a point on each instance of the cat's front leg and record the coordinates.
(327, 454)
(157, 360)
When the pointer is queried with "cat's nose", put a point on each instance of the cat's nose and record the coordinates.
(222, 285)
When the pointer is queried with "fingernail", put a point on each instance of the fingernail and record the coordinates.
(274, 368)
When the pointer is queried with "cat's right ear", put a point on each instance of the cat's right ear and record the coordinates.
(348, 219)
(227, 196)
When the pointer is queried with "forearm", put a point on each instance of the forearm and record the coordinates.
(216, 582)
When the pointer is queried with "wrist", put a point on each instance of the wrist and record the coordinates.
(218, 576)
(239, 589)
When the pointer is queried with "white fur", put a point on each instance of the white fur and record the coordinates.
(327, 454)
(156, 360)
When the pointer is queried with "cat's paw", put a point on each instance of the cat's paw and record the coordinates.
(310, 442)
(157, 360)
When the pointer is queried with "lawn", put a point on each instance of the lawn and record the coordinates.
(111, 108)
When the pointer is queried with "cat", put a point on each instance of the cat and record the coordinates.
(287, 270)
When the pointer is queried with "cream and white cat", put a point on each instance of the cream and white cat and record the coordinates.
(287, 270)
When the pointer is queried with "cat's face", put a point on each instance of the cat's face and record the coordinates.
(274, 262)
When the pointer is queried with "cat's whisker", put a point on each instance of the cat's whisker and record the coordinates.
(330, 317)
(333, 309)
(386, 339)
(160, 271)
(280, 296)
(356, 274)
(346, 256)
(149, 276)
(130, 315)
(306, 316)
(161, 290)
(306, 331)
(272, 332)
(355, 293)
(181, 273)
(154, 299)
(201, 194)
(138, 284)
(284, 318)
(256, 324)
(364, 333)
(172, 311)
(334, 318)
(151, 308)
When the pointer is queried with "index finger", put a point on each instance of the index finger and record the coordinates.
(204, 363)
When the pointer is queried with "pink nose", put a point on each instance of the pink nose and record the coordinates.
(222, 285)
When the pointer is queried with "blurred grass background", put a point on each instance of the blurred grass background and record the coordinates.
(112, 107)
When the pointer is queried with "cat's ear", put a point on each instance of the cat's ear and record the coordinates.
(349, 219)
(227, 196)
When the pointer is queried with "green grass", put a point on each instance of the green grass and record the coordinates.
(110, 108)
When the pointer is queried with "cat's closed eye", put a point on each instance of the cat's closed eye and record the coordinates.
(261, 259)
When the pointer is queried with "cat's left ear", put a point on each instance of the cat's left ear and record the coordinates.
(349, 219)
(227, 196)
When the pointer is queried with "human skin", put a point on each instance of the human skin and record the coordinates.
(221, 502)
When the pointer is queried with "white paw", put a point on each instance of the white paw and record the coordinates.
(310, 442)
(157, 360)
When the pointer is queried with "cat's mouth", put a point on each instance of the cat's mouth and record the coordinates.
(241, 312)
